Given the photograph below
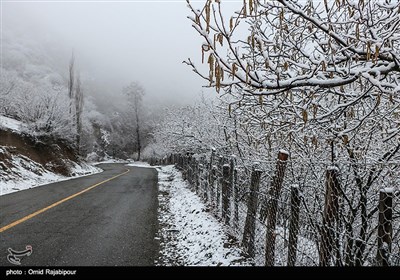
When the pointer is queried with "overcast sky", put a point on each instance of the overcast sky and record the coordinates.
(116, 42)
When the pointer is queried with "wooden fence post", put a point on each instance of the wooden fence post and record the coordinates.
(248, 241)
(203, 182)
(184, 166)
(178, 161)
(385, 229)
(276, 183)
(235, 192)
(331, 211)
(195, 175)
(293, 224)
(226, 170)
(213, 179)
(190, 170)
(182, 161)
(275, 191)
(219, 180)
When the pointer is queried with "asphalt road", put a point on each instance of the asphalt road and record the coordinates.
(111, 224)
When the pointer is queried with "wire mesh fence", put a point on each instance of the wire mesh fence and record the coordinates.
(302, 214)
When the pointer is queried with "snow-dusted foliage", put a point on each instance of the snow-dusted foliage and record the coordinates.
(319, 79)
(42, 107)
(190, 128)
(296, 44)
(307, 74)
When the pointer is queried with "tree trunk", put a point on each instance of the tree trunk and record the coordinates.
(139, 146)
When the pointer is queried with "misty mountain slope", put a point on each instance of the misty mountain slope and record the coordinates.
(34, 89)
(27, 161)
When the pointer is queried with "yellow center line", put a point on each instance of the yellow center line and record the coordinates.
(30, 216)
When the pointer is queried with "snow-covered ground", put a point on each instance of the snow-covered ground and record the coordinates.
(140, 164)
(10, 124)
(111, 160)
(18, 172)
(26, 174)
(189, 234)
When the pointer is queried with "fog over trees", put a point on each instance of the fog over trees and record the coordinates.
(63, 105)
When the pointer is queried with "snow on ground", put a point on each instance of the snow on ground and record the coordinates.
(140, 164)
(26, 174)
(189, 234)
(111, 160)
(10, 124)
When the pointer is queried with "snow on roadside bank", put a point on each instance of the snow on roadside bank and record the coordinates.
(26, 174)
(11, 124)
(189, 234)
(140, 164)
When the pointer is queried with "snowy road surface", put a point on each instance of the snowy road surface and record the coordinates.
(108, 218)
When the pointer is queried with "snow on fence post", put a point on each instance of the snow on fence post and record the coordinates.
(178, 161)
(211, 176)
(330, 215)
(231, 183)
(184, 166)
(385, 229)
(187, 167)
(293, 224)
(219, 182)
(276, 183)
(195, 174)
(234, 192)
(271, 210)
(190, 170)
(226, 170)
(198, 177)
(213, 187)
(248, 241)
(202, 180)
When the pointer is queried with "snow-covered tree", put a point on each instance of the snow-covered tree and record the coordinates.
(318, 78)
(135, 92)
(75, 94)
(307, 73)
(295, 44)
(315, 61)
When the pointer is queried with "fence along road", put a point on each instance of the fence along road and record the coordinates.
(287, 213)
(108, 219)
